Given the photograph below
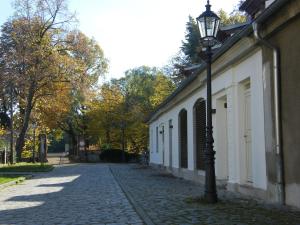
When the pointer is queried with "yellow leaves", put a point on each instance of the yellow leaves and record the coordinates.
(2, 131)
(163, 87)
(111, 97)
(54, 108)
(123, 104)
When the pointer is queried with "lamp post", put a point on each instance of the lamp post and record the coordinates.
(208, 23)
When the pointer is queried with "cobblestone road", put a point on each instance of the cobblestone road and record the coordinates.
(99, 193)
(73, 194)
(169, 200)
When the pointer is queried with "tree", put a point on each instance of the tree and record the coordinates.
(176, 68)
(233, 18)
(190, 50)
(118, 113)
(48, 64)
(90, 57)
(192, 46)
(163, 86)
(31, 51)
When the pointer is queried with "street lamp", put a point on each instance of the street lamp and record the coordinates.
(208, 23)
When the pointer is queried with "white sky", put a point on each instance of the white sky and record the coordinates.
(135, 32)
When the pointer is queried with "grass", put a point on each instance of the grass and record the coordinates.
(26, 167)
(8, 178)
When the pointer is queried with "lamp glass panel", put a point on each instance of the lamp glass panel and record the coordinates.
(217, 23)
(201, 25)
(210, 24)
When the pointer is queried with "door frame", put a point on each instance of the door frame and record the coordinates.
(246, 166)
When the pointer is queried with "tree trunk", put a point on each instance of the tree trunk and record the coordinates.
(74, 144)
(107, 136)
(46, 148)
(11, 125)
(73, 140)
(21, 139)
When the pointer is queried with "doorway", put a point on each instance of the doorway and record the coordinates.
(247, 133)
(170, 143)
(222, 138)
(162, 142)
(183, 139)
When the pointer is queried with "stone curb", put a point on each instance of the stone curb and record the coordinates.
(23, 178)
(143, 215)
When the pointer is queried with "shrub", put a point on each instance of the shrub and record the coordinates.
(115, 156)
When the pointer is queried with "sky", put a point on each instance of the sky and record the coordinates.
(133, 33)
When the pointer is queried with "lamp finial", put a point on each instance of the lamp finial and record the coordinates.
(208, 5)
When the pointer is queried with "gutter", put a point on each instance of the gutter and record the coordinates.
(276, 102)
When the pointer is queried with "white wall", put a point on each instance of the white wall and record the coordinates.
(227, 84)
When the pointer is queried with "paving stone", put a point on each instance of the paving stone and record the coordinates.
(76, 194)
(166, 200)
(91, 194)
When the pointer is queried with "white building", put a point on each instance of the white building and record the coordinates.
(238, 124)
(243, 120)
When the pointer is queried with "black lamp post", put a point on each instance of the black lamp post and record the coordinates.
(208, 23)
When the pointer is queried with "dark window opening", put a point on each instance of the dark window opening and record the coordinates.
(200, 132)
(183, 138)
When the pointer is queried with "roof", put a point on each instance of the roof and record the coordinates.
(273, 8)
(252, 6)
(234, 26)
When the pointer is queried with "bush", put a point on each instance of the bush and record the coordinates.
(115, 156)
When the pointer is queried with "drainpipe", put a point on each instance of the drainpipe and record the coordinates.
(278, 132)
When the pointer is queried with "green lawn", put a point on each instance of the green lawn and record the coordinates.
(8, 178)
(26, 167)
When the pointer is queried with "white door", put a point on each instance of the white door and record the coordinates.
(247, 136)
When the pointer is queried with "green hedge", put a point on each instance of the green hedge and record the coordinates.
(115, 156)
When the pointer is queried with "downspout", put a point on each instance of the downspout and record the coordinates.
(276, 102)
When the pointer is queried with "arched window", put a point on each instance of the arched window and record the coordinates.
(200, 132)
(183, 139)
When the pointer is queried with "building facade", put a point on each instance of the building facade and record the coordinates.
(248, 157)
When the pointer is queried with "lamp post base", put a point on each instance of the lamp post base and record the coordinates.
(211, 197)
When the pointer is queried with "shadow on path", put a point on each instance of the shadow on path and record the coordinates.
(73, 194)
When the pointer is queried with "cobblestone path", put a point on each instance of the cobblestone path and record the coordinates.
(169, 200)
(127, 194)
(73, 194)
